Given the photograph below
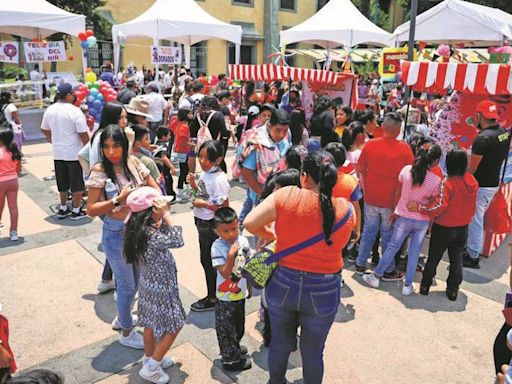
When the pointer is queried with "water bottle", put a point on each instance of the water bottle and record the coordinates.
(110, 189)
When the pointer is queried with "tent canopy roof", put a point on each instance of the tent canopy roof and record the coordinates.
(183, 21)
(457, 21)
(338, 23)
(38, 19)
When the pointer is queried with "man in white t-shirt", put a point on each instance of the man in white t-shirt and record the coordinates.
(64, 126)
(194, 100)
(36, 76)
(157, 108)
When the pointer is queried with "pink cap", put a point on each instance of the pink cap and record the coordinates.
(141, 199)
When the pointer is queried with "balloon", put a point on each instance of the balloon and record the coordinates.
(100, 97)
(94, 92)
(110, 97)
(96, 104)
(89, 85)
(90, 77)
(95, 85)
(89, 69)
(71, 57)
(82, 36)
(89, 33)
(84, 44)
(91, 40)
(90, 98)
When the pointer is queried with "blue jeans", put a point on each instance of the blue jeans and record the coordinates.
(246, 208)
(308, 300)
(476, 227)
(127, 275)
(375, 219)
(402, 229)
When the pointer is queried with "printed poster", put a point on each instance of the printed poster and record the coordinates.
(390, 61)
(340, 92)
(165, 55)
(36, 52)
(9, 52)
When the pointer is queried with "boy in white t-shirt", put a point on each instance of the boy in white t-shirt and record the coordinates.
(229, 254)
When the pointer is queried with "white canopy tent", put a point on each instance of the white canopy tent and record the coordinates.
(457, 21)
(338, 23)
(182, 21)
(38, 19)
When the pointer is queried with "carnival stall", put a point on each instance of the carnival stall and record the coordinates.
(455, 125)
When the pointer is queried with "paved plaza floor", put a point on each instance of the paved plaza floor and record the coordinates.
(58, 321)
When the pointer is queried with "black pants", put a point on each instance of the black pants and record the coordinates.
(206, 238)
(183, 174)
(169, 189)
(230, 327)
(502, 355)
(441, 239)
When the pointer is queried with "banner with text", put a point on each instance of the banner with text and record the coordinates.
(165, 55)
(50, 51)
(340, 93)
(9, 52)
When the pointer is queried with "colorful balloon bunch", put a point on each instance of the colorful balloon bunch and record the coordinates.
(87, 39)
(95, 93)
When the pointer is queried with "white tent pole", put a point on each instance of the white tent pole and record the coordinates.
(237, 53)
(117, 55)
(156, 43)
(187, 54)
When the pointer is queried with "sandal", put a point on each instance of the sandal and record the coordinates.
(424, 289)
(452, 295)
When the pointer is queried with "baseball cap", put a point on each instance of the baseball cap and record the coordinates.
(488, 109)
(267, 107)
(64, 89)
(141, 199)
(253, 110)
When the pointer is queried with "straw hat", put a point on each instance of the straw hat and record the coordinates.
(138, 106)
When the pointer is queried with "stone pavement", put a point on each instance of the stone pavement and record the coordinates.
(48, 292)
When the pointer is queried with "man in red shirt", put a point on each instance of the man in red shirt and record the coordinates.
(379, 165)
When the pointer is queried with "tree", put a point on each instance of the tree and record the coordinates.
(366, 8)
(423, 5)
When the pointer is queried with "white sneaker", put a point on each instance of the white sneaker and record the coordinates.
(116, 325)
(133, 340)
(105, 287)
(372, 280)
(13, 236)
(167, 361)
(155, 376)
(407, 289)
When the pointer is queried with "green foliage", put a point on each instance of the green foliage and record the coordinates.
(368, 67)
(11, 71)
(423, 5)
(376, 15)
(100, 25)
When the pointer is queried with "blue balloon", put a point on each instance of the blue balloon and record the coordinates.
(94, 92)
(97, 117)
(99, 97)
(92, 110)
(96, 104)
(84, 44)
(90, 99)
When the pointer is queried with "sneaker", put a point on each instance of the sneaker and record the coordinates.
(407, 289)
(241, 365)
(243, 350)
(78, 215)
(424, 290)
(452, 294)
(157, 375)
(133, 340)
(167, 361)
(63, 213)
(393, 276)
(469, 262)
(371, 280)
(203, 305)
(352, 258)
(172, 199)
(116, 325)
(106, 286)
(360, 270)
(342, 282)
(13, 236)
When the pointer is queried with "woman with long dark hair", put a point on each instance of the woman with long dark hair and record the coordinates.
(305, 288)
(417, 183)
(322, 122)
(122, 173)
(297, 128)
(343, 118)
(10, 167)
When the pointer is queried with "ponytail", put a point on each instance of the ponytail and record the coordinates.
(7, 138)
(320, 167)
(426, 155)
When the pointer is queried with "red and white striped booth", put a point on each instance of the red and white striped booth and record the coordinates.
(483, 79)
(493, 79)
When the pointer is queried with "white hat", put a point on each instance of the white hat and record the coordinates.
(253, 110)
(138, 106)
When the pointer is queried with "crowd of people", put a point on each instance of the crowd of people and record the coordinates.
(358, 184)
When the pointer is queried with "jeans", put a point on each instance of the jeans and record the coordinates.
(246, 208)
(375, 219)
(308, 300)
(206, 238)
(107, 272)
(402, 228)
(476, 227)
(441, 239)
(127, 275)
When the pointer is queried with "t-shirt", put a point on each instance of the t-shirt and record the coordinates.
(214, 188)
(108, 76)
(157, 106)
(299, 218)
(66, 122)
(416, 193)
(347, 187)
(380, 163)
(150, 164)
(230, 289)
(493, 144)
(186, 102)
(9, 109)
(8, 166)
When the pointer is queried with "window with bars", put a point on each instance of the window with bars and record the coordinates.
(288, 5)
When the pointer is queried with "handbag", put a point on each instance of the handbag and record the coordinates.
(497, 217)
(259, 268)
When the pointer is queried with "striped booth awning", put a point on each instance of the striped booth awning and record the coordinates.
(272, 72)
(494, 79)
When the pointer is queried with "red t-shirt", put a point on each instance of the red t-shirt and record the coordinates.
(299, 217)
(380, 164)
(437, 171)
(4, 336)
(181, 132)
(378, 132)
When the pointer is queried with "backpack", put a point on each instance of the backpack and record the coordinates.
(204, 134)
(194, 104)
